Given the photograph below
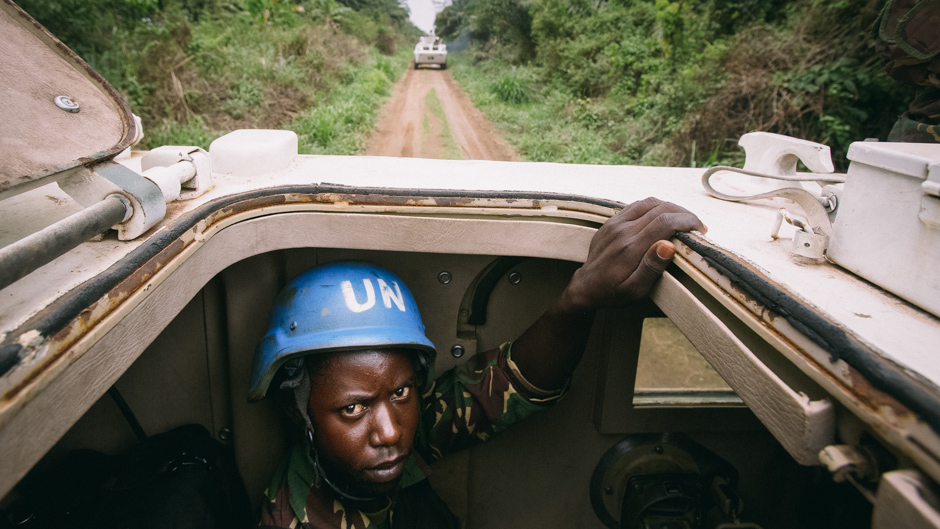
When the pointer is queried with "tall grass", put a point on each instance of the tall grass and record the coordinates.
(511, 89)
(235, 73)
(342, 122)
(547, 124)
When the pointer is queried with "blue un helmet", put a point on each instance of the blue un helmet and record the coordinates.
(340, 306)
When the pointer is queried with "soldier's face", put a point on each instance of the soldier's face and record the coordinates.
(364, 407)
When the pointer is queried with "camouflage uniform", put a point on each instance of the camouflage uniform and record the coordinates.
(466, 406)
(910, 34)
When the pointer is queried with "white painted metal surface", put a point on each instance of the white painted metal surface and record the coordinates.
(802, 425)
(906, 500)
(888, 225)
(899, 330)
(430, 50)
(896, 330)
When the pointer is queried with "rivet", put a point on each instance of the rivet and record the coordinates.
(293, 325)
(444, 277)
(608, 490)
(806, 245)
(457, 351)
(225, 434)
(66, 103)
(658, 449)
(515, 278)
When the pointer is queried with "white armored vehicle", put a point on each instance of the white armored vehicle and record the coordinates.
(430, 50)
(135, 285)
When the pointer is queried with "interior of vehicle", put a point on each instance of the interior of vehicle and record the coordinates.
(535, 475)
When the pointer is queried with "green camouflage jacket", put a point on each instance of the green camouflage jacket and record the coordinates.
(466, 405)
(910, 40)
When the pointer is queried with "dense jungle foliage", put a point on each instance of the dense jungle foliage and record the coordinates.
(672, 82)
(195, 69)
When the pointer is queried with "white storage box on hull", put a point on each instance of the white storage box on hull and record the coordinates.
(888, 225)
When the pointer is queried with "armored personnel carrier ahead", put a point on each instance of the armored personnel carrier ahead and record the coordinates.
(430, 50)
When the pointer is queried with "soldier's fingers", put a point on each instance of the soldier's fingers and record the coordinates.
(665, 217)
(664, 227)
(670, 222)
(637, 209)
(654, 263)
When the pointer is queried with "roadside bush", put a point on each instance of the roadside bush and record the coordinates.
(674, 82)
(385, 42)
(341, 123)
(511, 89)
(172, 132)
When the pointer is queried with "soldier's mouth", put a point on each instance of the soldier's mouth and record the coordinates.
(387, 470)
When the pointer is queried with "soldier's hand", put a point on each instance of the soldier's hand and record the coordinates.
(628, 254)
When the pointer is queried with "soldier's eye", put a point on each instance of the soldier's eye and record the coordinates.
(403, 392)
(352, 410)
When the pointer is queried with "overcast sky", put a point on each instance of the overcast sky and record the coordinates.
(423, 13)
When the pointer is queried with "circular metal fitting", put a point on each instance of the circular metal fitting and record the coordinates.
(293, 325)
(457, 351)
(444, 277)
(515, 278)
(67, 104)
(225, 434)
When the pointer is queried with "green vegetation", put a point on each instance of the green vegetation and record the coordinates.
(552, 127)
(341, 124)
(450, 150)
(195, 69)
(672, 82)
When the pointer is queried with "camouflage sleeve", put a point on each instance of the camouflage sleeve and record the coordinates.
(476, 400)
(276, 513)
(909, 40)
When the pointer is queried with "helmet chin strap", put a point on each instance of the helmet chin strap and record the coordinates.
(299, 381)
(321, 473)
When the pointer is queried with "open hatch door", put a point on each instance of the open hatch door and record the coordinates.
(58, 113)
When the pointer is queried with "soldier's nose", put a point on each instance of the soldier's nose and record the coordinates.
(386, 430)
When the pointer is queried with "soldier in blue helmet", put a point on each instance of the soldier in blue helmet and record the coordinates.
(346, 350)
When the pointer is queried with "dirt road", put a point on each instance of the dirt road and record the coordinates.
(429, 116)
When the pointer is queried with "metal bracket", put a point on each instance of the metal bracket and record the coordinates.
(777, 155)
(169, 155)
(774, 156)
(92, 185)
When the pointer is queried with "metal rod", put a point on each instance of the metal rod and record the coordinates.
(128, 413)
(29, 253)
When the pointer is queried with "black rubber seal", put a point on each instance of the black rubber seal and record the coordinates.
(61, 312)
(880, 372)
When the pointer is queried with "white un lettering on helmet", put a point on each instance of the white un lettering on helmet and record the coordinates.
(388, 296)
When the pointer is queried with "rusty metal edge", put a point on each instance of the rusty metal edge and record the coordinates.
(142, 262)
(881, 372)
(130, 126)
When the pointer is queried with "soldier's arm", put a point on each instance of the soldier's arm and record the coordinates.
(626, 257)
